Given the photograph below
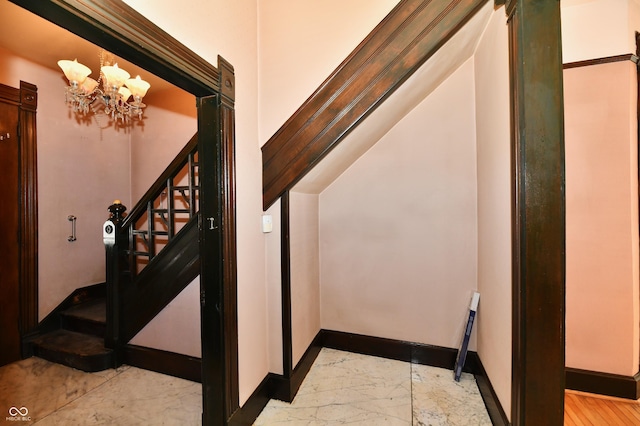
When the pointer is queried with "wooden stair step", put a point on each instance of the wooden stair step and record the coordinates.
(94, 310)
(77, 350)
(89, 317)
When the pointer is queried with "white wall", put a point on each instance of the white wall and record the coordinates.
(598, 28)
(305, 271)
(398, 235)
(81, 170)
(491, 67)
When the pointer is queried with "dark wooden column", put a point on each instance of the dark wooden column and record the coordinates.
(216, 159)
(28, 178)
(538, 212)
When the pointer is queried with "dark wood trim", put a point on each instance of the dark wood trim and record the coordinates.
(417, 353)
(410, 34)
(25, 98)
(637, 59)
(249, 412)
(115, 26)
(285, 271)
(214, 362)
(285, 388)
(169, 363)
(598, 61)
(118, 28)
(537, 135)
(496, 412)
(603, 383)
(28, 207)
(218, 274)
(227, 190)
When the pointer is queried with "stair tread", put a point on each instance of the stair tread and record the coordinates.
(71, 342)
(94, 310)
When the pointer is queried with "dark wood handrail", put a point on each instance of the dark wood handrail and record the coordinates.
(412, 32)
(161, 183)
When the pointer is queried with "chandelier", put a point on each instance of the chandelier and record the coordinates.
(84, 93)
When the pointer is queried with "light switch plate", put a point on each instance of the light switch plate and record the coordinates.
(267, 223)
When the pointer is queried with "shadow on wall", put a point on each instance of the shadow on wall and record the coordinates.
(173, 99)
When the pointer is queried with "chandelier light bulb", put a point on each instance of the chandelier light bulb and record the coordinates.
(138, 87)
(114, 76)
(74, 71)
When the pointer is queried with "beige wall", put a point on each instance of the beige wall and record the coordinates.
(491, 72)
(398, 235)
(305, 271)
(602, 218)
(81, 170)
(595, 29)
(297, 53)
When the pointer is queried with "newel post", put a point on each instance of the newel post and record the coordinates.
(112, 238)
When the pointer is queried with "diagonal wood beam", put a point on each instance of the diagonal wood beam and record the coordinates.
(412, 32)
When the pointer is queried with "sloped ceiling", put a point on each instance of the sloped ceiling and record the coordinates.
(427, 78)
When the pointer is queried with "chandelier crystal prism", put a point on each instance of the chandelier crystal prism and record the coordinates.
(84, 93)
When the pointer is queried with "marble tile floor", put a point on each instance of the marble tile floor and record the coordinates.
(52, 394)
(345, 388)
(341, 388)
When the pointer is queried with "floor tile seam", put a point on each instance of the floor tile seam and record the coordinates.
(411, 382)
(106, 380)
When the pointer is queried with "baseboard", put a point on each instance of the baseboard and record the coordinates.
(169, 363)
(417, 353)
(603, 383)
(276, 386)
(252, 408)
(489, 396)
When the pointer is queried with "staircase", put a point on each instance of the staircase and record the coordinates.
(79, 340)
(154, 255)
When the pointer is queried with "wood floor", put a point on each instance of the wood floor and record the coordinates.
(583, 409)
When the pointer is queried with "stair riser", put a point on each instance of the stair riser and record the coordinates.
(81, 325)
(90, 364)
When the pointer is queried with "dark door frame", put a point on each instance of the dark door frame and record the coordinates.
(538, 212)
(118, 28)
(26, 99)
